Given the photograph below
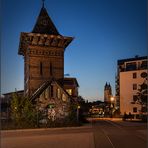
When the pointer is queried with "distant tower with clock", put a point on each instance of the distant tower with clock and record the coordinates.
(43, 52)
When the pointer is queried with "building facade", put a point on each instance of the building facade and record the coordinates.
(129, 78)
(44, 82)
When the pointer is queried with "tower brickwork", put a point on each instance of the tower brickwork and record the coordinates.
(43, 51)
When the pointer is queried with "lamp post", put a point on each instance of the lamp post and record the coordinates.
(112, 105)
(78, 107)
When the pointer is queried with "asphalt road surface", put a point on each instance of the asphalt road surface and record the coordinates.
(98, 134)
(109, 134)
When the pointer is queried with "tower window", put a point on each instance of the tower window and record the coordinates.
(51, 90)
(41, 68)
(50, 69)
(134, 75)
(134, 86)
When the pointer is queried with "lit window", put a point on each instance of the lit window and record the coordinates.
(58, 93)
(69, 91)
(134, 86)
(134, 75)
(63, 97)
(47, 93)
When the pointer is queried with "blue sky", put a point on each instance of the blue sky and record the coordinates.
(103, 30)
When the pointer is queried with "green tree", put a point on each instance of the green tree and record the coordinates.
(16, 104)
(142, 95)
(23, 111)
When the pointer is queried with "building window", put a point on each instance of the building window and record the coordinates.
(131, 66)
(144, 74)
(144, 65)
(58, 93)
(42, 95)
(47, 93)
(69, 91)
(134, 98)
(51, 90)
(63, 97)
(134, 86)
(51, 72)
(41, 68)
(144, 109)
(135, 109)
(134, 75)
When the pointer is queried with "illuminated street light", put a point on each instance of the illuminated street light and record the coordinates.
(112, 99)
(78, 107)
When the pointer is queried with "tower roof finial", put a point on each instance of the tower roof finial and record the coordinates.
(44, 24)
(43, 3)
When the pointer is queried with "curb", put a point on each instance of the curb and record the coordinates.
(46, 129)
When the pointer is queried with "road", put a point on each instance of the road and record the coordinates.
(113, 134)
(100, 133)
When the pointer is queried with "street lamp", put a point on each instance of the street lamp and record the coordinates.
(78, 107)
(112, 99)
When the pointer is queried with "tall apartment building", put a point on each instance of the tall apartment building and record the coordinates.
(128, 80)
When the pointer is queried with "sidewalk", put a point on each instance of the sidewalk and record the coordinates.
(6, 132)
(65, 137)
(112, 119)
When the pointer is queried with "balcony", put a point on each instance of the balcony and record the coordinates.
(134, 66)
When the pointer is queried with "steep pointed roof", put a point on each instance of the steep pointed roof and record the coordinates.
(44, 24)
(105, 87)
(109, 85)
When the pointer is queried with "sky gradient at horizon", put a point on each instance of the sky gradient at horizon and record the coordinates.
(104, 32)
